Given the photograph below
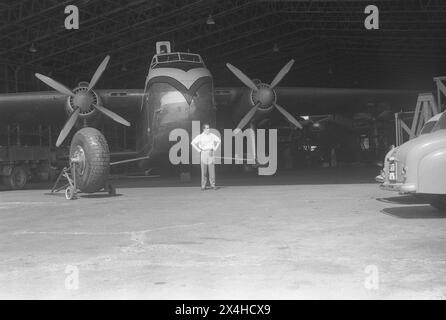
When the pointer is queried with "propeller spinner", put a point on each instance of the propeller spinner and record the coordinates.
(82, 100)
(263, 95)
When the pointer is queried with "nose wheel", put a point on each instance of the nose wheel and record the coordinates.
(69, 174)
(70, 188)
(70, 193)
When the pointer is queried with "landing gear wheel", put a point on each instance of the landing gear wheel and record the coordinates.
(90, 153)
(70, 194)
(439, 202)
(17, 180)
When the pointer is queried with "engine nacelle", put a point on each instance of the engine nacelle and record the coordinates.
(264, 96)
(87, 110)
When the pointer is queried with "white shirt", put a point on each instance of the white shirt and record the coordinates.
(207, 141)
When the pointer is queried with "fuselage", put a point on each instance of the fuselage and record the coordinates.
(178, 90)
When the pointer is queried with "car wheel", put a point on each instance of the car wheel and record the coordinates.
(17, 180)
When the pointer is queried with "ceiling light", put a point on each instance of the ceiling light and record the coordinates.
(210, 20)
(276, 48)
(32, 49)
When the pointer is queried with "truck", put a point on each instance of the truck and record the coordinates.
(418, 167)
(25, 155)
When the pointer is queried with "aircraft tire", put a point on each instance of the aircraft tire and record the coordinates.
(90, 145)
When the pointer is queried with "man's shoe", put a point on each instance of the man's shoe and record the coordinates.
(214, 187)
(202, 189)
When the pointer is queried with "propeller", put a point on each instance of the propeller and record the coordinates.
(55, 85)
(82, 100)
(263, 95)
(98, 72)
(112, 115)
(247, 118)
(243, 78)
(68, 126)
(286, 68)
(287, 115)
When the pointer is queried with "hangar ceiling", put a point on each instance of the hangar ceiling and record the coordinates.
(327, 39)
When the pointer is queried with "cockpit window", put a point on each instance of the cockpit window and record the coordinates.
(176, 57)
(428, 126)
(441, 123)
(190, 57)
(168, 57)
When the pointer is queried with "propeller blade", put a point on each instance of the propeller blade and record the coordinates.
(98, 73)
(112, 115)
(242, 77)
(287, 115)
(67, 127)
(245, 120)
(282, 74)
(54, 84)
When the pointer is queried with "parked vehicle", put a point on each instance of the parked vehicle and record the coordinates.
(419, 165)
(24, 156)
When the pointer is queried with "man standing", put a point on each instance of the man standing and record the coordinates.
(206, 143)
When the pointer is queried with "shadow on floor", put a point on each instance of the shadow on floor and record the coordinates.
(301, 176)
(319, 176)
(415, 212)
(405, 199)
(98, 195)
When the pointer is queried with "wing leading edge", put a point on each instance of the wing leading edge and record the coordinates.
(49, 106)
(325, 100)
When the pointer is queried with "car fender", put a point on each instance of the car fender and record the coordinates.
(431, 172)
(419, 150)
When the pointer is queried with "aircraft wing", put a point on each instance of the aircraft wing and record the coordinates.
(122, 99)
(43, 105)
(338, 100)
(324, 100)
(227, 97)
(49, 106)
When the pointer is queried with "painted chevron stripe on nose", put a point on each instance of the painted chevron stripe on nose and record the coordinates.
(186, 78)
(185, 82)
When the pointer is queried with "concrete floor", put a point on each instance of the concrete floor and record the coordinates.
(327, 233)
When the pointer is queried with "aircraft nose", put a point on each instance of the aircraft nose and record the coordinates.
(172, 115)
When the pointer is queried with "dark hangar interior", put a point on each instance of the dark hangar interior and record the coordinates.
(332, 188)
(325, 37)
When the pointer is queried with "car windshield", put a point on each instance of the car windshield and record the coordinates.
(441, 123)
(427, 128)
